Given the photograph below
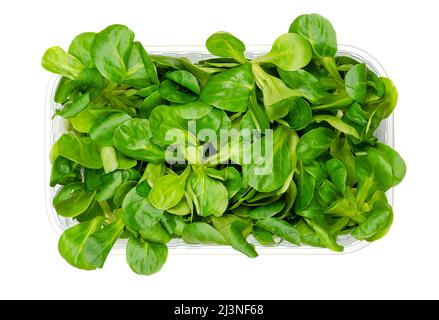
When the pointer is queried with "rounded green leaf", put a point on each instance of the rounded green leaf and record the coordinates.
(281, 229)
(133, 139)
(81, 47)
(122, 191)
(193, 110)
(299, 114)
(338, 173)
(71, 244)
(356, 82)
(233, 181)
(269, 171)
(56, 60)
(318, 31)
(156, 234)
(145, 258)
(140, 71)
(264, 237)
(308, 84)
(277, 96)
(375, 222)
(99, 244)
(184, 207)
(139, 214)
(268, 210)
(395, 160)
(111, 50)
(229, 90)
(167, 192)
(184, 79)
(171, 91)
(168, 128)
(224, 44)
(313, 143)
(103, 130)
(73, 108)
(289, 52)
(81, 150)
(338, 124)
(110, 183)
(201, 232)
(72, 200)
(208, 195)
(64, 172)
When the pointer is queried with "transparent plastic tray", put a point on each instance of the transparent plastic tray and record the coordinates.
(57, 126)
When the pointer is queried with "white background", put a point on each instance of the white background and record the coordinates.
(402, 35)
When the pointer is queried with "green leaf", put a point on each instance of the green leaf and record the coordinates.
(171, 91)
(145, 258)
(338, 173)
(201, 232)
(110, 183)
(277, 96)
(326, 233)
(338, 124)
(72, 200)
(356, 82)
(305, 188)
(229, 90)
(313, 143)
(193, 110)
(141, 72)
(259, 117)
(168, 190)
(72, 242)
(319, 33)
(133, 139)
(56, 60)
(122, 191)
(289, 52)
(88, 80)
(71, 109)
(81, 47)
(111, 51)
(264, 237)
(64, 172)
(306, 83)
(395, 160)
(99, 244)
(376, 220)
(232, 228)
(81, 150)
(184, 79)
(268, 210)
(139, 214)
(156, 234)
(224, 44)
(168, 128)
(173, 224)
(208, 195)
(270, 171)
(299, 114)
(102, 131)
(281, 229)
(230, 177)
(153, 172)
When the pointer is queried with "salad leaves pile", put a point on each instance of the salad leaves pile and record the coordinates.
(327, 176)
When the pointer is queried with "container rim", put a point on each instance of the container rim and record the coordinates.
(182, 248)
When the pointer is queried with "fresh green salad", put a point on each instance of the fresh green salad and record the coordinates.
(224, 151)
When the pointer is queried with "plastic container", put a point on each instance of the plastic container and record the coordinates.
(56, 127)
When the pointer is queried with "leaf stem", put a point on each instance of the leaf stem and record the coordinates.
(109, 215)
(331, 67)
